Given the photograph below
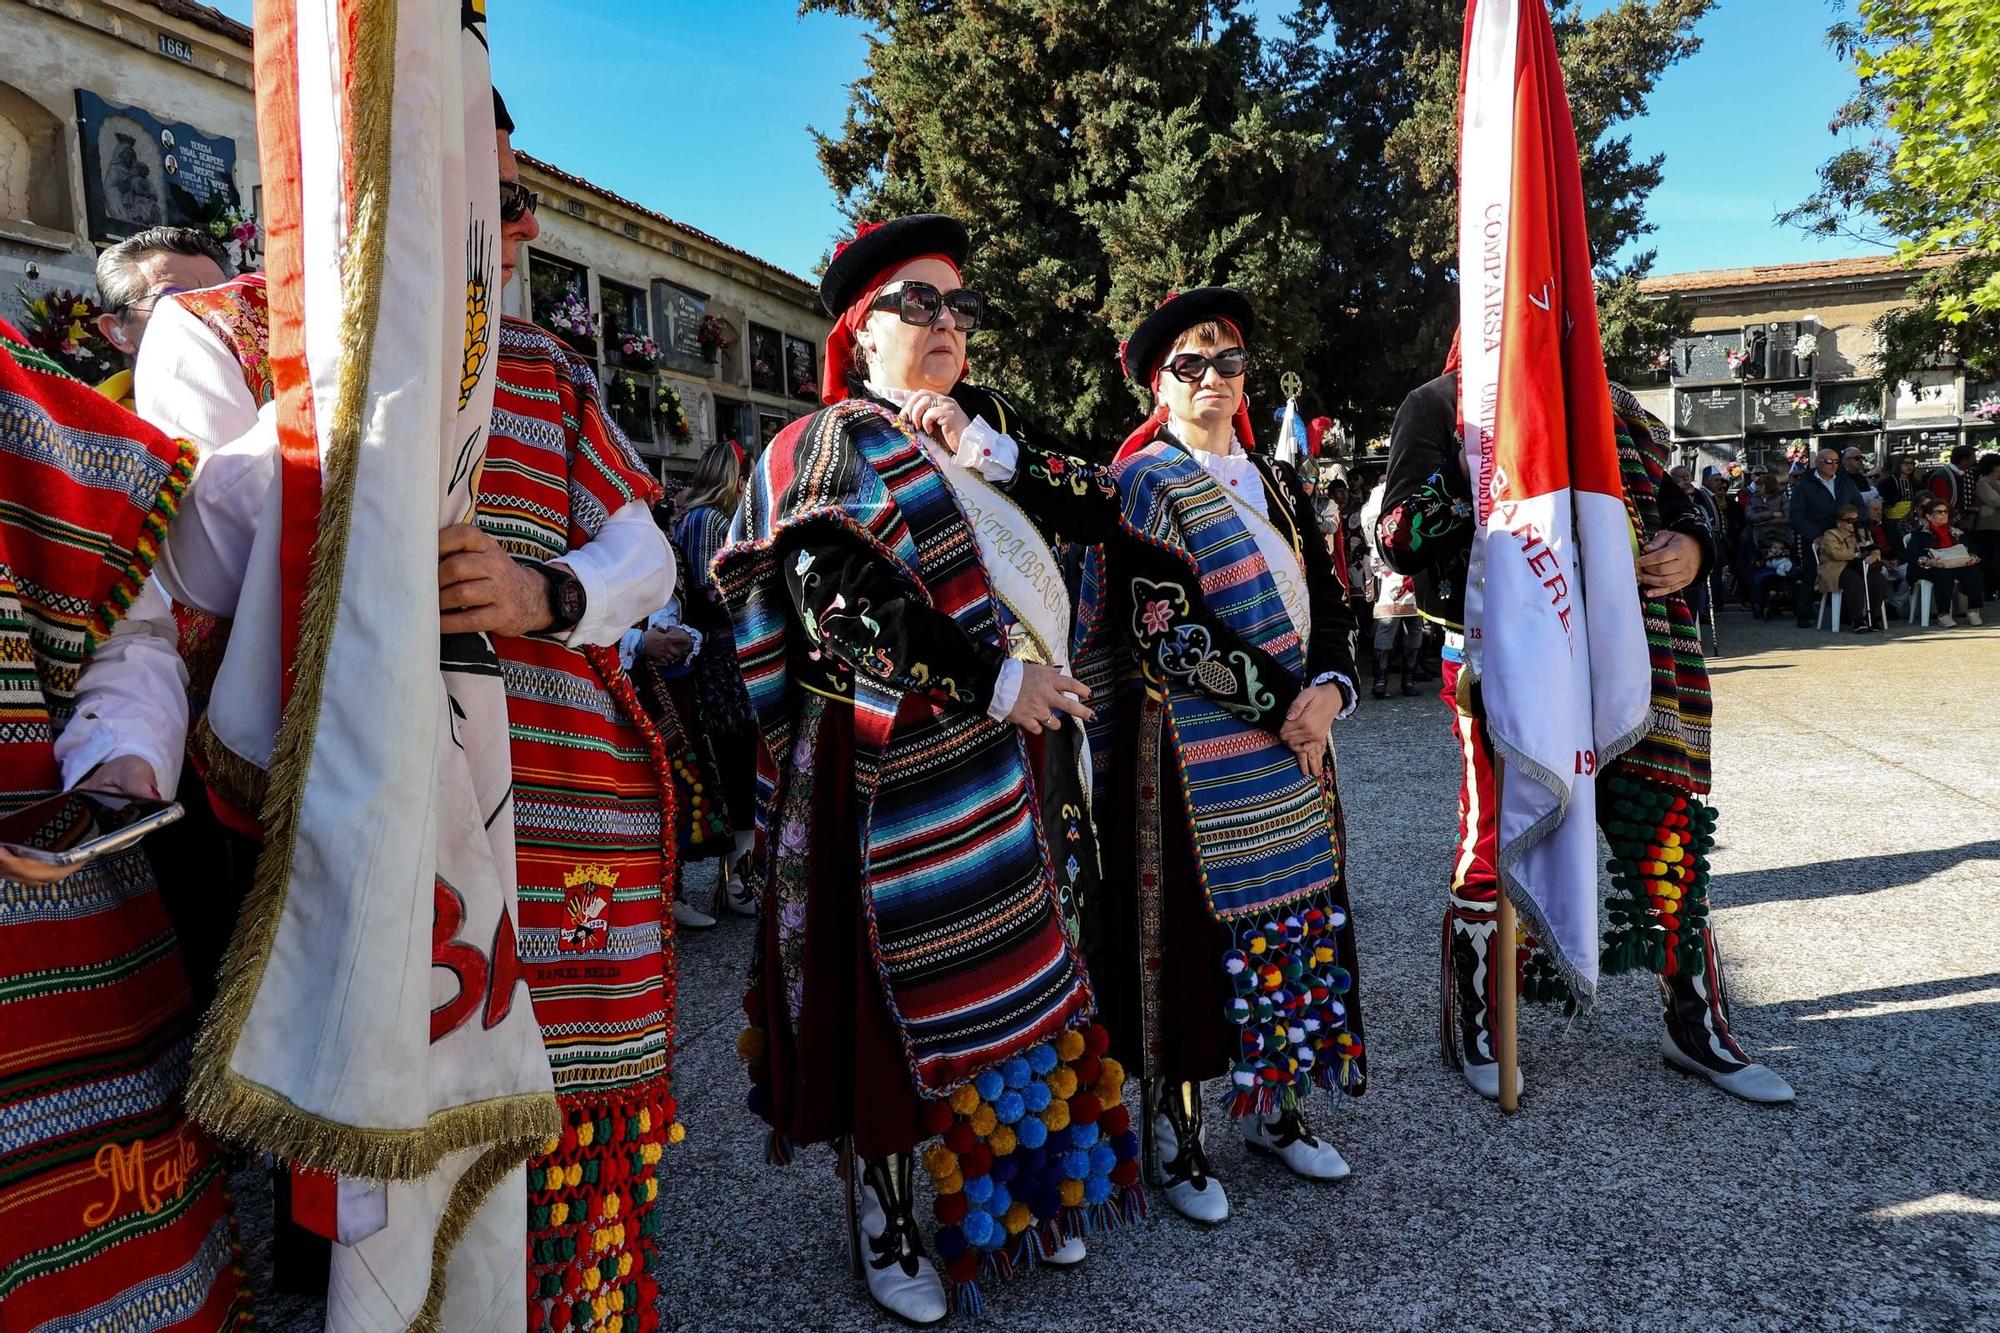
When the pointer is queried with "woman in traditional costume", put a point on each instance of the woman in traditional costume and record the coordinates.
(111, 1200)
(916, 975)
(719, 721)
(1230, 951)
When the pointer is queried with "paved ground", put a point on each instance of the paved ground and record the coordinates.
(1858, 881)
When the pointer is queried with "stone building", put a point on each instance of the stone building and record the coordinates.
(1784, 357)
(119, 114)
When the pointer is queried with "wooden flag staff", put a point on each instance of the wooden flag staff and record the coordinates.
(1504, 954)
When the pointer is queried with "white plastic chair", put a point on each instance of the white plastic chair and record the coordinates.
(1820, 615)
(1922, 592)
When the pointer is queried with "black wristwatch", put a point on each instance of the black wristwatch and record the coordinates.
(566, 599)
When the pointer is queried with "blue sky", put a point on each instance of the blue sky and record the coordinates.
(700, 109)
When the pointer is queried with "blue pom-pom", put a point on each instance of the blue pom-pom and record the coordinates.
(1096, 1189)
(1033, 1160)
(1058, 1143)
(951, 1241)
(1075, 1165)
(989, 1084)
(757, 1101)
(1009, 1108)
(1045, 1200)
(1002, 1200)
(979, 1189)
(981, 1231)
(1042, 1059)
(1235, 962)
(1005, 1168)
(1126, 1145)
(1102, 1159)
(1082, 1136)
(1036, 1098)
(1032, 1133)
(1015, 1073)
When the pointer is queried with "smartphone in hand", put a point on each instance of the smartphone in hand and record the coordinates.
(78, 827)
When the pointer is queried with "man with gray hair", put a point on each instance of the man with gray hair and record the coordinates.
(136, 273)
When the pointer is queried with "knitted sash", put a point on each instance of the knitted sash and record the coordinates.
(961, 905)
(1260, 826)
(1676, 749)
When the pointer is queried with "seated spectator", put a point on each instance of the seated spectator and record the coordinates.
(1879, 535)
(1850, 564)
(1771, 574)
(1986, 492)
(1937, 555)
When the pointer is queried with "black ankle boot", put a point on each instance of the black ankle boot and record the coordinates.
(1381, 687)
(899, 1275)
(1697, 1037)
(1180, 1164)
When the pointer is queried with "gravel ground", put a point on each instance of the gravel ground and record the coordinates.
(1857, 882)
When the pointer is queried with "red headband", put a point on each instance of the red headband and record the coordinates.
(840, 358)
(1150, 428)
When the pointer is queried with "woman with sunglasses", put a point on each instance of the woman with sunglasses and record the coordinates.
(902, 630)
(1234, 955)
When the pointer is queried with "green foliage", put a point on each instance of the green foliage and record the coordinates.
(1923, 170)
(1105, 154)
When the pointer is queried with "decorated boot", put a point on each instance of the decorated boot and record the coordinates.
(899, 1274)
(1466, 1033)
(1697, 1037)
(1287, 1138)
(1180, 1165)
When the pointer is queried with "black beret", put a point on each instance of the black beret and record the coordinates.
(880, 245)
(1177, 314)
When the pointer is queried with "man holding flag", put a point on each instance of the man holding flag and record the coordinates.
(1504, 494)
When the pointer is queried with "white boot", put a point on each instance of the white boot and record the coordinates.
(1071, 1254)
(1181, 1168)
(687, 915)
(1285, 1137)
(900, 1276)
(1753, 1083)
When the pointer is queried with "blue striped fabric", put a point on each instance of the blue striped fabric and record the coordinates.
(1260, 826)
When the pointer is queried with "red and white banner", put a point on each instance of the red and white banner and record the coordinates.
(373, 1025)
(1553, 629)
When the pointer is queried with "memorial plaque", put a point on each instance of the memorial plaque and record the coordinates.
(677, 316)
(1927, 393)
(1929, 442)
(1708, 412)
(140, 171)
(1778, 410)
(1705, 356)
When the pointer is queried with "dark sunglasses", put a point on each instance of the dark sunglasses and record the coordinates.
(1189, 367)
(919, 303)
(517, 201)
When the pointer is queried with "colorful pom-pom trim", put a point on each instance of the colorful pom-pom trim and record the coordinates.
(1292, 1025)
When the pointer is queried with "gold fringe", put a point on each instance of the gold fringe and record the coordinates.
(466, 1198)
(225, 1102)
(239, 781)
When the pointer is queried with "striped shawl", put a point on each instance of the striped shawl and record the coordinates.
(961, 905)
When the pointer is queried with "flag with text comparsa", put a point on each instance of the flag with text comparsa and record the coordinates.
(1553, 625)
(375, 1027)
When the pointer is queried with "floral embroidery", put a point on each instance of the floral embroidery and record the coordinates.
(1158, 617)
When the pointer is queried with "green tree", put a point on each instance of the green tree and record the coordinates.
(1923, 171)
(1109, 153)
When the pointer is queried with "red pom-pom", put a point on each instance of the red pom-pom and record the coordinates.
(1115, 1120)
(951, 1209)
(960, 1138)
(975, 1161)
(559, 1315)
(964, 1268)
(1084, 1108)
(1126, 1173)
(935, 1118)
(1087, 1069)
(571, 1283)
(1097, 1040)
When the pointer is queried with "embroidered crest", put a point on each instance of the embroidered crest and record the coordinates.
(586, 893)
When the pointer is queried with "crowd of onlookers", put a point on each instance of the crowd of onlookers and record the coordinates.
(1907, 539)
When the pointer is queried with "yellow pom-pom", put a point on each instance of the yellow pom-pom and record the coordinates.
(624, 1265)
(650, 1154)
(1110, 1074)
(585, 1132)
(599, 1306)
(940, 1160)
(590, 1278)
(965, 1099)
(750, 1046)
(574, 1175)
(1257, 944)
(1002, 1140)
(558, 1214)
(1323, 954)
(646, 1114)
(615, 1324)
(1072, 1193)
(1069, 1046)
(611, 1205)
(1062, 1084)
(984, 1121)
(652, 1189)
(676, 1132)
(950, 1184)
(617, 1300)
(1018, 1219)
(1057, 1116)
(551, 1146)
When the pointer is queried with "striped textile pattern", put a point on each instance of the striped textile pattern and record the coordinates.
(591, 838)
(1260, 827)
(112, 1210)
(962, 912)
